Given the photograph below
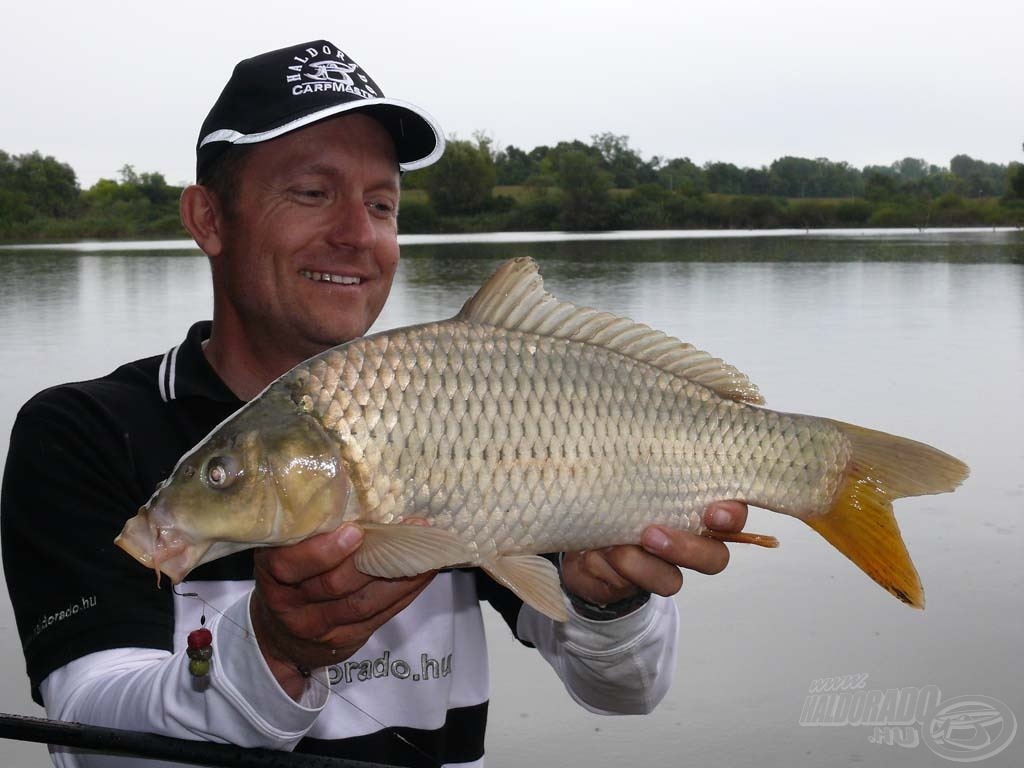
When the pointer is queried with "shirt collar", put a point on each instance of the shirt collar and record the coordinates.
(185, 372)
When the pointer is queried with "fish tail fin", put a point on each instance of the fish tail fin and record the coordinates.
(860, 523)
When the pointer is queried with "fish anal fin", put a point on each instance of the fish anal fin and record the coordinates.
(514, 298)
(534, 580)
(396, 551)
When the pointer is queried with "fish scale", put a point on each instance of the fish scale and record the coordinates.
(635, 456)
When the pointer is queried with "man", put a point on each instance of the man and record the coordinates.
(298, 168)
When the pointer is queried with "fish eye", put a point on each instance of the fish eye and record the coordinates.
(221, 472)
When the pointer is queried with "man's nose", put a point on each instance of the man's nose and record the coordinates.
(353, 225)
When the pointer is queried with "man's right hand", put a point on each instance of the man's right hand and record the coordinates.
(311, 607)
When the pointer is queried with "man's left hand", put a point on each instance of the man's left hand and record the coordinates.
(608, 575)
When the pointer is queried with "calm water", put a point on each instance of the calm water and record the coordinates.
(919, 334)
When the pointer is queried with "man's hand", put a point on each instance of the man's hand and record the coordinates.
(612, 574)
(312, 608)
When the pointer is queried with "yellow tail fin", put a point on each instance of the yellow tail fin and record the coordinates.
(860, 523)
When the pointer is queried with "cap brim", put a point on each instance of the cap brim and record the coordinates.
(419, 141)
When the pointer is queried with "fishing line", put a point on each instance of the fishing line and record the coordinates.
(252, 638)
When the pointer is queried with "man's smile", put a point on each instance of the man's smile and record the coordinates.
(329, 277)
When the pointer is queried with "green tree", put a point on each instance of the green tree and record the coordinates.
(624, 164)
(803, 177)
(462, 180)
(841, 179)
(513, 166)
(979, 179)
(553, 156)
(910, 170)
(36, 186)
(880, 185)
(756, 181)
(155, 188)
(795, 177)
(644, 208)
(724, 178)
(1015, 182)
(585, 189)
(128, 175)
(682, 175)
(14, 204)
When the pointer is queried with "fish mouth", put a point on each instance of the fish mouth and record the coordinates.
(157, 543)
(331, 277)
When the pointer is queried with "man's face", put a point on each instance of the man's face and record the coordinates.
(311, 247)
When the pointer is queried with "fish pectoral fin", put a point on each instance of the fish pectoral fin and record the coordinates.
(534, 580)
(396, 551)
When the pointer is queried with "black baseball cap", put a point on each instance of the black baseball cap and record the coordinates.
(274, 93)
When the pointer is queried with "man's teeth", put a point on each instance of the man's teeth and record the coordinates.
(327, 277)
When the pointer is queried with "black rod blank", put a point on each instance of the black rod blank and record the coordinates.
(117, 741)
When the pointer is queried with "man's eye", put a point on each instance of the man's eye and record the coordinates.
(382, 207)
(312, 194)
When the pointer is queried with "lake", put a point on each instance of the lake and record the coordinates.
(920, 334)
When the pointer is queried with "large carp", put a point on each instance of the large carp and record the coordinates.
(524, 425)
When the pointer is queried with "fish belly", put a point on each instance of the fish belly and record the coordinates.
(522, 443)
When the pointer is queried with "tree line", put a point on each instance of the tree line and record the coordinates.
(600, 185)
(40, 199)
(607, 184)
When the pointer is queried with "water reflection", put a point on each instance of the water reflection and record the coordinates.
(955, 247)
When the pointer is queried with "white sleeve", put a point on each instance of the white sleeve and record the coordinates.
(623, 666)
(144, 689)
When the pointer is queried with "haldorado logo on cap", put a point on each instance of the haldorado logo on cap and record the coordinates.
(325, 68)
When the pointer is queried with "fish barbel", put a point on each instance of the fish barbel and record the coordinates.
(524, 425)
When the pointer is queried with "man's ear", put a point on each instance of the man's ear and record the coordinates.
(201, 215)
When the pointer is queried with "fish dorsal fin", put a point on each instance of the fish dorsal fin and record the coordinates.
(514, 298)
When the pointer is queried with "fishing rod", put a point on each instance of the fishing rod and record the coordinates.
(122, 742)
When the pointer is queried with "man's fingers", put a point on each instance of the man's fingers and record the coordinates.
(313, 557)
(728, 516)
(343, 632)
(308, 622)
(379, 597)
(595, 564)
(648, 572)
(686, 550)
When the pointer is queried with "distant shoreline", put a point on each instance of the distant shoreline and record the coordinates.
(572, 187)
(156, 244)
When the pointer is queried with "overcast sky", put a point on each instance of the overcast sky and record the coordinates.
(101, 84)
